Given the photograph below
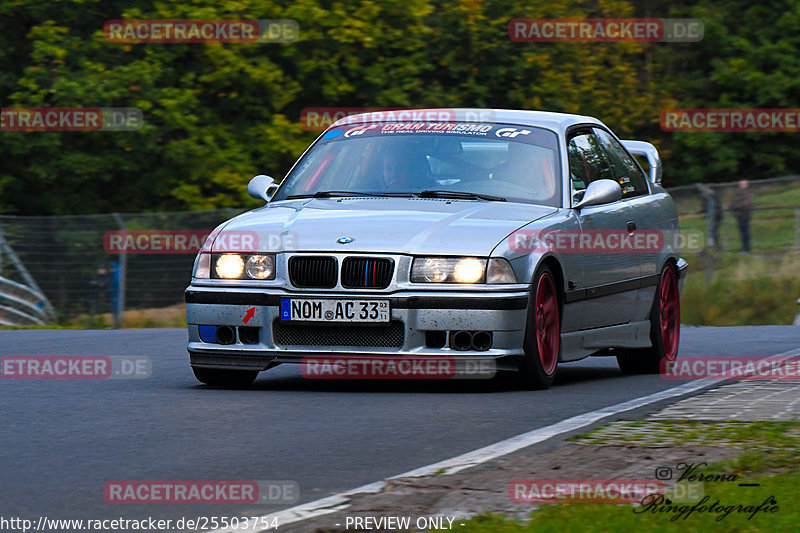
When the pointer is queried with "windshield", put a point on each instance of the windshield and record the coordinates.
(486, 161)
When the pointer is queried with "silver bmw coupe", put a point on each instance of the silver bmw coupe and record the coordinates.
(527, 240)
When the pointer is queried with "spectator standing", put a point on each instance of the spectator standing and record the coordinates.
(99, 285)
(742, 209)
(113, 293)
(712, 208)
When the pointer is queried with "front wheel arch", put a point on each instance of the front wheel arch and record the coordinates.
(554, 265)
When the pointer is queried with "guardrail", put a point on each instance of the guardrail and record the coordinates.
(21, 305)
(63, 260)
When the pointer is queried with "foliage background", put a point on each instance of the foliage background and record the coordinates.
(216, 114)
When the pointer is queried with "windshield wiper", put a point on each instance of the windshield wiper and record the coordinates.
(331, 194)
(437, 193)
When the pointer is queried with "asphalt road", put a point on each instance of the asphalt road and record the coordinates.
(62, 440)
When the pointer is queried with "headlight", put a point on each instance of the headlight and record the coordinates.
(229, 266)
(260, 266)
(448, 270)
(469, 270)
(244, 266)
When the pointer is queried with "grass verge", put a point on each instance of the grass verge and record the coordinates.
(745, 302)
(770, 459)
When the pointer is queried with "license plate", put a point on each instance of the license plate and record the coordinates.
(323, 310)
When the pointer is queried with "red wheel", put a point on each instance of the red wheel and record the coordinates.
(669, 313)
(665, 329)
(542, 343)
(547, 323)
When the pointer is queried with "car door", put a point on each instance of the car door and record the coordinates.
(635, 192)
(606, 293)
(651, 216)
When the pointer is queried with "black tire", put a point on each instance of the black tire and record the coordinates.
(650, 360)
(542, 330)
(225, 378)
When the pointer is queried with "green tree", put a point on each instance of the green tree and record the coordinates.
(216, 114)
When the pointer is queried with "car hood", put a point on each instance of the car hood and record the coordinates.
(387, 225)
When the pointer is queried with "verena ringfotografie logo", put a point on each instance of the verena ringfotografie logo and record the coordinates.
(739, 368)
(201, 31)
(74, 367)
(582, 490)
(30, 119)
(605, 30)
(731, 120)
(395, 367)
(201, 492)
(320, 118)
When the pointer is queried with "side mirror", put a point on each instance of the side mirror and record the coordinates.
(261, 187)
(649, 152)
(600, 192)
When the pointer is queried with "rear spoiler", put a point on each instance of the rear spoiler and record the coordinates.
(650, 152)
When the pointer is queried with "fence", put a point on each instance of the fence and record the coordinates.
(65, 257)
(57, 268)
(775, 225)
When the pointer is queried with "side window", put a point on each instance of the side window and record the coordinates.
(587, 161)
(627, 172)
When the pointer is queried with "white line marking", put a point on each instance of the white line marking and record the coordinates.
(340, 502)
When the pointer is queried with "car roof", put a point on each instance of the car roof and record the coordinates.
(558, 122)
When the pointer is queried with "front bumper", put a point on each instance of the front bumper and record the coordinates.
(501, 312)
(683, 271)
